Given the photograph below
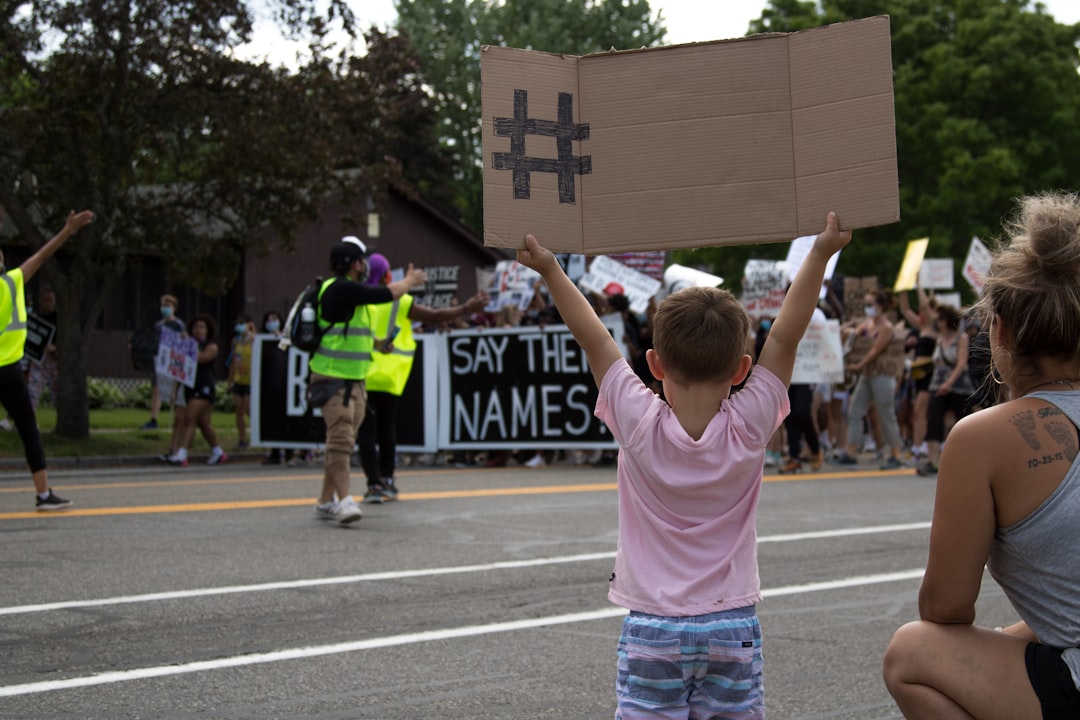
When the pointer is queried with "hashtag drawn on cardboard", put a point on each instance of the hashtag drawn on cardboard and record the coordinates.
(565, 131)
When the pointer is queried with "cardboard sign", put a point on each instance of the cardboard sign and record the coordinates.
(39, 336)
(936, 274)
(636, 286)
(977, 265)
(909, 269)
(677, 277)
(855, 290)
(739, 141)
(890, 362)
(177, 357)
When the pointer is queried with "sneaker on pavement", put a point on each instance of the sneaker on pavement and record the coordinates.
(151, 425)
(326, 511)
(535, 461)
(818, 461)
(926, 469)
(374, 495)
(52, 502)
(844, 459)
(347, 511)
(892, 464)
(218, 458)
(792, 465)
(176, 460)
(389, 490)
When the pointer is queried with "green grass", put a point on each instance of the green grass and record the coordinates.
(115, 432)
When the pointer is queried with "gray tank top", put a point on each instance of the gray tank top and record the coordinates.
(1036, 561)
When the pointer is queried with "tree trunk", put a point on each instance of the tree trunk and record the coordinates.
(72, 403)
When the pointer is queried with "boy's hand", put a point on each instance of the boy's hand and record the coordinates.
(831, 239)
(536, 257)
(415, 276)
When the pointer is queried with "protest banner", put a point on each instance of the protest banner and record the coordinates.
(890, 362)
(279, 411)
(741, 141)
(518, 388)
(763, 286)
(177, 357)
(40, 334)
(936, 274)
(977, 265)
(820, 355)
(909, 268)
(605, 272)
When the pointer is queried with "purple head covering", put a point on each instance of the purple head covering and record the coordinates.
(378, 266)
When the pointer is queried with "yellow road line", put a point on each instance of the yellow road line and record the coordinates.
(295, 502)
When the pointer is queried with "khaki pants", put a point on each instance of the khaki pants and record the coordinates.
(342, 421)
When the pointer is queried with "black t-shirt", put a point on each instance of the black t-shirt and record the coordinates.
(339, 300)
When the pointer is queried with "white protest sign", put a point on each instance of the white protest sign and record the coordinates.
(977, 265)
(820, 355)
(511, 284)
(677, 277)
(797, 252)
(764, 282)
(177, 358)
(936, 274)
(636, 286)
(950, 299)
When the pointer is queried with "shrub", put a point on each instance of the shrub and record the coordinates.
(102, 394)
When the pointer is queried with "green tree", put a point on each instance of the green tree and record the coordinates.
(448, 35)
(142, 112)
(987, 100)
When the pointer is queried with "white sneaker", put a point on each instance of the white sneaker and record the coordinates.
(217, 457)
(535, 461)
(347, 511)
(326, 511)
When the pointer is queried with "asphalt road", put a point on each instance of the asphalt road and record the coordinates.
(216, 593)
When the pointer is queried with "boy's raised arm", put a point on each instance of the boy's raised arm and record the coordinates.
(778, 354)
(576, 312)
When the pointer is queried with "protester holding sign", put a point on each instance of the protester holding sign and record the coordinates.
(924, 322)
(391, 365)
(1008, 498)
(200, 395)
(876, 383)
(13, 393)
(950, 387)
(689, 477)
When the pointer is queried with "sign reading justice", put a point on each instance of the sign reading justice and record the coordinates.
(750, 140)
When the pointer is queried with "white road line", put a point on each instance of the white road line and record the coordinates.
(424, 572)
(406, 639)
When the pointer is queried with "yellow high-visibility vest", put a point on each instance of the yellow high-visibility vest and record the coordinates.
(390, 371)
(12, 317)
(345, 349)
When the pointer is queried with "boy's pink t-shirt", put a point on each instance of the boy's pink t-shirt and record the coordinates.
(687, 508)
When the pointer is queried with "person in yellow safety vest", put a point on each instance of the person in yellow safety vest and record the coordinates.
(14, 395)
(341, 362)
(392, 361)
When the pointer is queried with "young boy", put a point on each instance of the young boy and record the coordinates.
(689, 478)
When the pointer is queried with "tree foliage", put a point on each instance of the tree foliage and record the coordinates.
(987, 102)
(448, 35)
(142, 112)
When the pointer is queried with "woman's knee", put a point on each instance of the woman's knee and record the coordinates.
(902, 653)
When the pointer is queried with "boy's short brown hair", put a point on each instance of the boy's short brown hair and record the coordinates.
(170, 300)
(700, 333)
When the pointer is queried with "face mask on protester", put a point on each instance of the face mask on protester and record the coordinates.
(166, 311)
(272, 326)
(870, 310)
(239, 328)
(766, 324)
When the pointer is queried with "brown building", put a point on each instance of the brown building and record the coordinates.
(405, 230)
